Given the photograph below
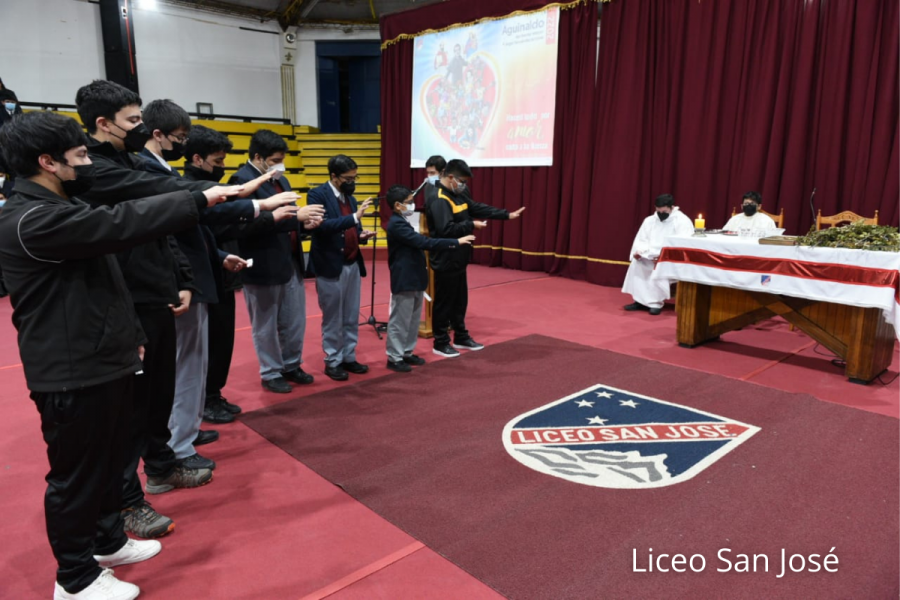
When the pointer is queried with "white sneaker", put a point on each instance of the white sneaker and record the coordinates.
(105, 587)
(132, 552)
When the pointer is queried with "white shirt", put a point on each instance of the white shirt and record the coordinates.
(161, 160)
(758, 222)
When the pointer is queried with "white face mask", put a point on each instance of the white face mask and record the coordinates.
(408, 209)
(433, 179)
(278, 168)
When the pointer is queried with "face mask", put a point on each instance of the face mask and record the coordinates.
(84, 180)
(348, 187)
(200, 173)
(278, 168)
(175, 153)
(135, 138)
(10, 106)
(408, 209)
(662, 215)
(460, 188)
(749, 209)
(433, 179)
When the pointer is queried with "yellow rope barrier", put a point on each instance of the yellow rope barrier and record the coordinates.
(554, 254)
(560, 5)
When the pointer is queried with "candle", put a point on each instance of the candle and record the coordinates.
(699, 222)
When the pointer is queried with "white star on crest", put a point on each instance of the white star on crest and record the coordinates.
(583, 403)
(603, 394)
(597, 421)
(630, 403)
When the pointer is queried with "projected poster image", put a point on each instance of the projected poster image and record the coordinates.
(487, 93)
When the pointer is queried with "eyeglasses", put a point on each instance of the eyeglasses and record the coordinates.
(180, 138)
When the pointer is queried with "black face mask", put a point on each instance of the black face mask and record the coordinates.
(175, 153)
(662, 215)
(347, 188)
(749, 209)
(135, 138)
(199, 173)
(84, 180)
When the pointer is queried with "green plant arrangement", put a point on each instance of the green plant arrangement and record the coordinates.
(858, 236)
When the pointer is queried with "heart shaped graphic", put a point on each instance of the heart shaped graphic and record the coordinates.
(461, 100)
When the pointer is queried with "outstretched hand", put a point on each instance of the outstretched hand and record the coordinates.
(516, 214)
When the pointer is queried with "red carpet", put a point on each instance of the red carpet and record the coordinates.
(424, 450)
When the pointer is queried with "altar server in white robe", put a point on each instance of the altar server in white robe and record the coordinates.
(650, 294)
(750, 218)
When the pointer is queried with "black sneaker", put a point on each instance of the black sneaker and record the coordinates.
(298, 375)
(445, 350)
(468, 344)
(355, 368)
(655, 311)
(635, 306)
(215, 412)
(195, 461)
(278, 385)
(144, 522)
(206, 437)
(399, 366)
(412, 359)
(337, 373)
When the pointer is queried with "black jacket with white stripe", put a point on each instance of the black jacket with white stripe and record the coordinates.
(74, 315)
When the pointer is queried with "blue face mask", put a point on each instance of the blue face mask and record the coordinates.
(10, 106)
(433, 179)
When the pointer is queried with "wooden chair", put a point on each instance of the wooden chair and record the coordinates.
(779, 218)
(425, 327)
(843, 218)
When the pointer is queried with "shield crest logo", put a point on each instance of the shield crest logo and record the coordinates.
(611, 438)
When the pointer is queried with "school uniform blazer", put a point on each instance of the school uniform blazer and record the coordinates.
(327, 250)
(273, 258)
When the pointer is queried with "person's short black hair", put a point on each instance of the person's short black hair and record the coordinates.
(166, 116)
(101, 98)
(437, 161)
(29, 135)
(755, 196)
(665, 200)
(8, 95)
(340, 164)
(458, 166)
(205, 141)
(266, 142)
(397, 193)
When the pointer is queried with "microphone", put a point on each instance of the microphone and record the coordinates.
(812, 207)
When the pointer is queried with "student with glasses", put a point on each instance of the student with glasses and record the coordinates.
(339, 265)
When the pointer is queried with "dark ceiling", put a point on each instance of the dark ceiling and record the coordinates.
(297, 12)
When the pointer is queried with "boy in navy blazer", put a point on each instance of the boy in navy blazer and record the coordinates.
(338, 265)
(409, 278)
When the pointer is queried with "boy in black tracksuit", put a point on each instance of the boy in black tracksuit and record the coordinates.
(450, 209)
(79, 338)
(409, 278)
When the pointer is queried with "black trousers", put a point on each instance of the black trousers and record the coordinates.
(221, 344)
(451, 299)
(85, 432)
(154, 394)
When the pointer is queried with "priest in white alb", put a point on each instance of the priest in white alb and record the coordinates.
(750, 218)
(650, 294)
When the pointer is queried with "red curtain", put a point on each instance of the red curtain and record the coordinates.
(705, 100)
(708, 100)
